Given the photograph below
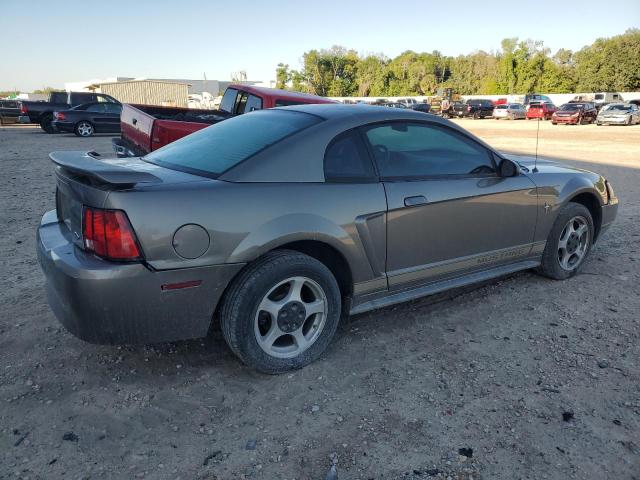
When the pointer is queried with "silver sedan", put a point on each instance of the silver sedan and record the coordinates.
(619, 114)
(511, 111)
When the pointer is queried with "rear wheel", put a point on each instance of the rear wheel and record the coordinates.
(569, 242)
(46, 123)
(281, 312)
(84, 129)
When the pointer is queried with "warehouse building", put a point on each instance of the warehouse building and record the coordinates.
(146, 92)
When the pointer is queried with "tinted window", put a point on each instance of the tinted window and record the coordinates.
(219, 147)
(228, 100)
(113, 108)
(58, 97)
(286, 103)
(97, 107)
(417, 150)
(346, 159)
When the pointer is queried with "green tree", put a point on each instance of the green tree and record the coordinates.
(283, 76)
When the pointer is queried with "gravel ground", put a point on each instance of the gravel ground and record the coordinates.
(522, 378)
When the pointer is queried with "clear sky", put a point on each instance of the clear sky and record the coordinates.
(48, 42)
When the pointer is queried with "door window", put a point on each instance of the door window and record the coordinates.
(98, 107)
(113, 108)
(253, 103)
(409, 150)
(347, 160)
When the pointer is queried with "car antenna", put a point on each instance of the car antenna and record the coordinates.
(535, 163)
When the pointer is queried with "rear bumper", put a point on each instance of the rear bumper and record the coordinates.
(63, 126)
(124, 303)
(124, 148)
(24, 119)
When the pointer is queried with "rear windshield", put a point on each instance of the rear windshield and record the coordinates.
(217, 148)
(501, 107)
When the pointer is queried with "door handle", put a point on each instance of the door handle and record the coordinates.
(415, 200)
(134, 121)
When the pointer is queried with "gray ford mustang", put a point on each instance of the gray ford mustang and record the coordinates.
(276, 222)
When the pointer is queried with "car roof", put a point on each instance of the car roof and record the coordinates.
(359, 112)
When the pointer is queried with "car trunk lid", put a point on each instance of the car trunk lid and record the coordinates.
(87, 179)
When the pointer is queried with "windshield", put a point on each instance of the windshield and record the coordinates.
(571, 107)
(215, 149)
(623, 108)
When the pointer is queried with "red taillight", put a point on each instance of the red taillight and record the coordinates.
(23, 108)
(108, 234)
(59, 115)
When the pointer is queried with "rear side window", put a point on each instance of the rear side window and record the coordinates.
(215, 149)
(406, 151)
(346, 160)
(228, 100)
(287, 103)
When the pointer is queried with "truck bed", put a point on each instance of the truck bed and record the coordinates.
(146, 128)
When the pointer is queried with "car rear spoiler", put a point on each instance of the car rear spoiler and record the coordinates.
(112, 171)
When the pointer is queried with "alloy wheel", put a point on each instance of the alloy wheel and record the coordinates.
(85, 129)
(290, 317)
(573, 243)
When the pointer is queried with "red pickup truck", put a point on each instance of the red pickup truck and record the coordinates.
(146, 128)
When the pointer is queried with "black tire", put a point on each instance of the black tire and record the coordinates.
(241, 301)
(45, 123)
(554, 123)
(550, 266)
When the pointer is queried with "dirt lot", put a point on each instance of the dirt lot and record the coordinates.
(472, 384)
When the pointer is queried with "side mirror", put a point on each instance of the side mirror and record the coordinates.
(507, 168)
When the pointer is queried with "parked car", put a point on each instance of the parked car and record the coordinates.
(511, 111)
(85, 120)
(42, 112)
(319, 209)
(9, 111)
(541, 110)
(421, 107)
(619, 114)
(575, 113)
(472, 108)
(500, 101)
(147, 128)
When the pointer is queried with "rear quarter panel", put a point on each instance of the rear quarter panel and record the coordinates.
(246, 220)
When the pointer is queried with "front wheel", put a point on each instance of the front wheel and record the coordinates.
(84, 129)
(568, 243)
(281, 312)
